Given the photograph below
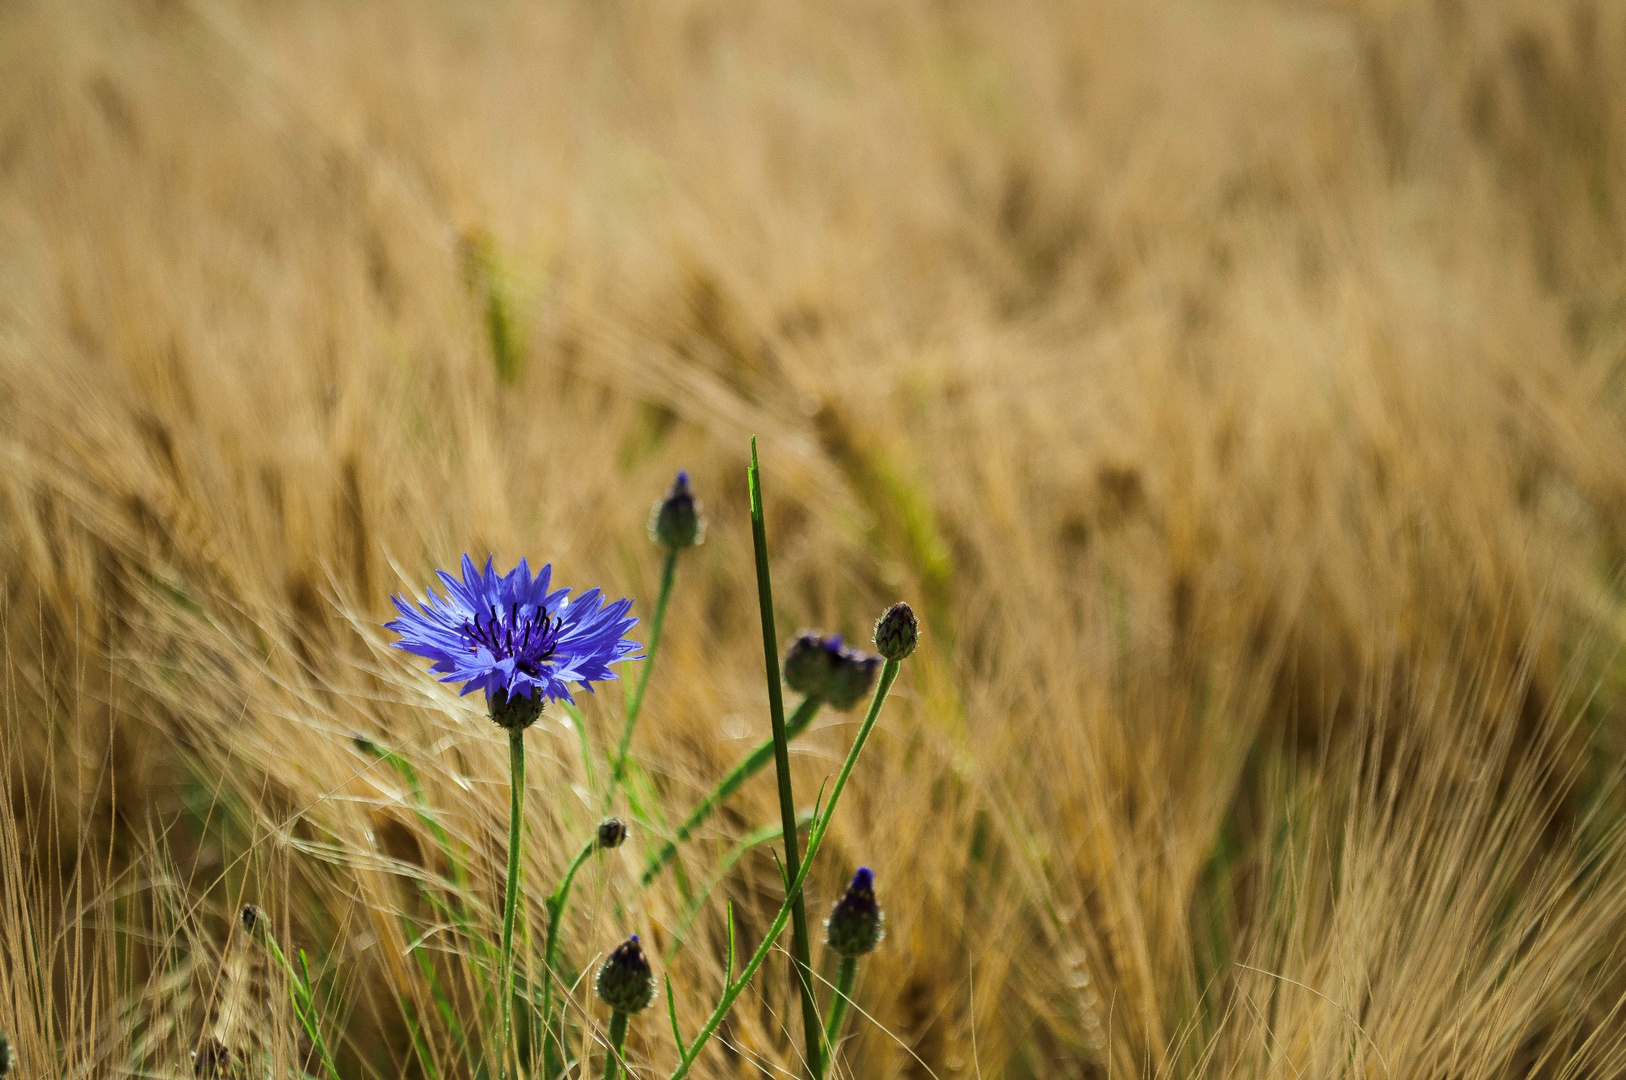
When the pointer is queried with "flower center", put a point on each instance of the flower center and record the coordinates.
(529, 639)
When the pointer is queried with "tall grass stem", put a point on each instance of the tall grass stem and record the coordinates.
(812, 1028)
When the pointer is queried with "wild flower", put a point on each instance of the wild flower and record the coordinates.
(508, 635)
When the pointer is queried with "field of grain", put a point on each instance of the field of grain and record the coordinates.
(1237, 388)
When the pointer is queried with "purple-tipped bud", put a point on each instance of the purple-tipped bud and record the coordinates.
(249, 916)
(856, 924)
(677, 521)
(612, 832)
(514, 710)
(897, 632)
(811, 663)
(625, 982)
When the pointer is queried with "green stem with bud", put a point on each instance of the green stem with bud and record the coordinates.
(802, 968)
(516, 810)
(838, 1006)
(618, 1038)
(821, 825)
(753, 763)
(635, 703)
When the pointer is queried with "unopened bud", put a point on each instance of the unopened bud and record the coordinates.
(625, 982)
(856, 924)
(676, 521)
(897, 632)
(249, 916)
(612, 831)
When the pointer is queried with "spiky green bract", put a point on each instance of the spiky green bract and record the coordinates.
(625, 982)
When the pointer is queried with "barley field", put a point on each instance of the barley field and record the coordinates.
(1235, 388)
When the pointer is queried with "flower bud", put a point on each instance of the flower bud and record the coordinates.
(897, 632)
(249, 916)
(612, 831)
(625, 982)
(856, 924)
(8, 1058)
(811, 663)
(676, 521)
(853, 678)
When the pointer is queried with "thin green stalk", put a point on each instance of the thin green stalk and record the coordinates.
(636, 701)
(556, 910)
(838, 1005)
(753, 763)
(618, 1038)
(802, 968)
(299, 994)
(516, 808)
(889, 672)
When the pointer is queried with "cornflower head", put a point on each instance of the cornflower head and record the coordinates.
(508, 635)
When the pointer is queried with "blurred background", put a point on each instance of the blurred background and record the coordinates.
(1236, 389)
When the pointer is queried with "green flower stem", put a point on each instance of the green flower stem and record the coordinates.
(802, 969)
(815, 838)
(636, 702)
(299, 994)
(753, 763)
(618, 1038)
(556, 912)
(516, 809)
(838, 1006)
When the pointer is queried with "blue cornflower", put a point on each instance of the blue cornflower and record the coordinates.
(508, 635)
